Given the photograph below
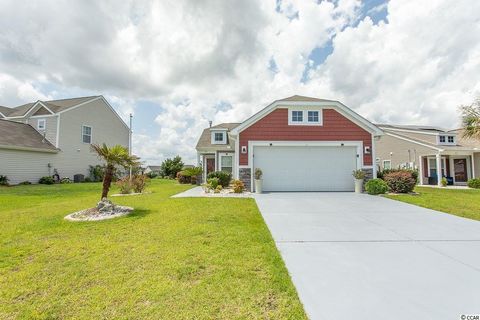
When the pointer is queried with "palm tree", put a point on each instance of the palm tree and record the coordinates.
(471, 120)
(114, 156)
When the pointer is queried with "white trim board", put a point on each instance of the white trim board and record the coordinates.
(413, 141)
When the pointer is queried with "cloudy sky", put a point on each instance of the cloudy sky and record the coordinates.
(175, 64)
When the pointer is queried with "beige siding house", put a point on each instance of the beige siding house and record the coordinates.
(426, 149)
(69, 126)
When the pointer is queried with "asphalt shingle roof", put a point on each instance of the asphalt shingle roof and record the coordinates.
(16, 134)
(205, 140)
(54, 105)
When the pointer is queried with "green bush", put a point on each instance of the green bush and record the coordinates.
(46, 180)
(223, 177)
(400, 181)
(444, 182)
(152, 174)
(170, 167)
(413, 173)
(376, 186)
(474, 183)
(24, 183)
(65, 180)
(238, 186)
(96, 173)
(3, 180)
(183, 178)
(87, 179)
(212, 183)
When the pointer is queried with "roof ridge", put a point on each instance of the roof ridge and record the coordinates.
(70, 98)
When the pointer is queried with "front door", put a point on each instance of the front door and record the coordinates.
(210, 165)
(460, 167)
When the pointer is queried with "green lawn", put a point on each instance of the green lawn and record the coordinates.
(459, 202)
(170, 259)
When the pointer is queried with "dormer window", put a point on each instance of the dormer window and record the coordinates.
(446, 139)
(297, 116)
(219, 137)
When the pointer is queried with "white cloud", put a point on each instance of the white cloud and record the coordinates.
(210, 60)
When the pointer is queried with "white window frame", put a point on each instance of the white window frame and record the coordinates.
(83, 134)
(299, 114)
(39, 127)
(444, 165)
(224, 137)
(222, 155)
(390, 164)
(447, 138)
(305, 111)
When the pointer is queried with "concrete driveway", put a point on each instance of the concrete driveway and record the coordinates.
(364, 257)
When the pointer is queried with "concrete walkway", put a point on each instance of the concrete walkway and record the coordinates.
(364, 257)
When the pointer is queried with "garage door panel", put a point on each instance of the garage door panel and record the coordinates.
(306, 168)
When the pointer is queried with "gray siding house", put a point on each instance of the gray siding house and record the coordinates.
(37, 139)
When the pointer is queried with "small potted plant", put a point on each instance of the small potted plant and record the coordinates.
(258, 180)
(444, 182)
(359, 175)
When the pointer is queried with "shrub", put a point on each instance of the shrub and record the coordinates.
(3, 180)
(182, 178)
(223, 177)
(124, 185)
(212, 183)
(444, 182)
(376, 186)
(152, 174)
(87, 179)
(139, 182)
(170, 167)
(238, 186)
(400, 181)
(258, 174)
(65, 180)
(218, 189)
(358, 174)
(474, 183)
(97, 173)
(413, 173)
(24, 183)
(46, 180)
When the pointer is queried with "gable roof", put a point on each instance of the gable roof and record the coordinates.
(22, 136)
(309, 101)
(205, 140)
(54, 106)
(419, 128)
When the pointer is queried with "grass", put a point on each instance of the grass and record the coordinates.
(460, 202)
(190, 258)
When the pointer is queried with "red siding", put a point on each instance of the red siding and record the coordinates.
(274, 127)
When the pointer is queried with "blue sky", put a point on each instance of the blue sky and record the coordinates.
(177, 65)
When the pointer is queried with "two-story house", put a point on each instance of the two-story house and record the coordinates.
(434, 152)
(43, 137)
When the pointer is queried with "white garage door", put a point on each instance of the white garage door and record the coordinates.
(306, 168)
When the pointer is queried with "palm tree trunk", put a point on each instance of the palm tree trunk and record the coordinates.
(107, 180)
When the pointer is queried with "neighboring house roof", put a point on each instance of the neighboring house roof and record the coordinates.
(205, 141)
(412, 127)
(55, 106)
(21, 136)
(462, 143)
(309, 101)
(154, 168)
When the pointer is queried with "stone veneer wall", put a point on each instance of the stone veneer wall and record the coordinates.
(245, 174)
(368, 176)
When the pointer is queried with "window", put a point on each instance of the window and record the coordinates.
(41, 124)
(387, 164)
(226, 163)
(442, 139)
(86, 134)
(218, 136)
(432, 167)
(451, 139)
(297, 116)
(312, 116)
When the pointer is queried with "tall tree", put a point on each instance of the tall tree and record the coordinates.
(113, 156)
(471, 120)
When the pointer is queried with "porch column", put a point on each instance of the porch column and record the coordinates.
(420, 171)
(472, 157)
(439, 169)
